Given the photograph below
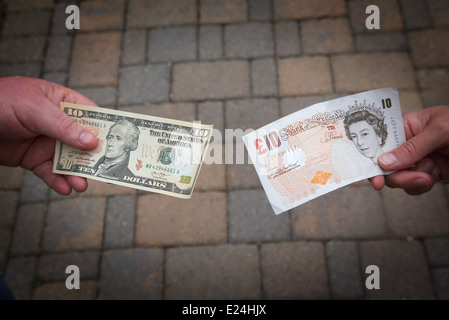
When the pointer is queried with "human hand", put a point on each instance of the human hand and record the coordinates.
(30, 123)
(427, 148)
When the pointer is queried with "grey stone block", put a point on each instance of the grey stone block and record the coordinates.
(103, 96)
(295, 270)
(33, 189)
(438, 251)
(344, 270)
(58, 53)
(26, 23)
(10, 177)
(134, 47)
(426, 215)
(439, 11)
(441, 283)
(159, 223)
(210, 42)
(250, 113)
(415, 14)
(56, 77)
(20, 275)
(222, 272)
(242, 176)
(140, 84)
(260, 10)
(290, 105)
(131, 274)
(8, 204)
(32, 69)
(172, 44)
(74, 224)
(403, 269)
(51, 267)
(251, 218)
(223, 79)
(249, 40)
(120, 221)
(211, 112)
(287, 38)
(326, 36)
(22, 49)
(151, 13)
(394, 41)
(347, 213)
(223, 11)
(58, 291)
(263, 77)
(5, 238)
(28, 229)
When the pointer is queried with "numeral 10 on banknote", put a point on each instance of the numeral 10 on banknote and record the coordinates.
(75, 112)
(386, 103)
(271, 140)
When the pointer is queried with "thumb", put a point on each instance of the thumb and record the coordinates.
(410, 152)
(56, 124)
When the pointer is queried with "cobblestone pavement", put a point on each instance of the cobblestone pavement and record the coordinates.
(237, 64)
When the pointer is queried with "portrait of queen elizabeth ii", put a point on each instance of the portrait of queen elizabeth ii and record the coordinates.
(365, 127)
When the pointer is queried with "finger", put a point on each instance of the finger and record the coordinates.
(411, 151)
(416, 180)
(79, 184)
(424, 135)
(378, 182)
(57, 93)
(413, 182)
(39, 151)
(442, 166)
(54, 123)
(427, 165)
(55, 181)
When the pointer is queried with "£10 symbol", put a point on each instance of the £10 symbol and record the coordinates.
(272, 140)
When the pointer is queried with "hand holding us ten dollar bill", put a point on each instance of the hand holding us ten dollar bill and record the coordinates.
(139, 151)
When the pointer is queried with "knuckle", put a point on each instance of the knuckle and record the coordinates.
(409, 148)
(441, 128)
(67, 125)
(391, 184)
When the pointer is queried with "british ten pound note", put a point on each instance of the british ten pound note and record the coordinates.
(139, 151)
(326, 146)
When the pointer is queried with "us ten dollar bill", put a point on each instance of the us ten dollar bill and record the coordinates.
(326, 146)
(139, 151)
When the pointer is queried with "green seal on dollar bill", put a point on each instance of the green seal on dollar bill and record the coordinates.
(167, 155)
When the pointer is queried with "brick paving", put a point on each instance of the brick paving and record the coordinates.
(237, 64)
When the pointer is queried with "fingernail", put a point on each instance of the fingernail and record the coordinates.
(388, 159)
(86, 138)
(420, 183)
